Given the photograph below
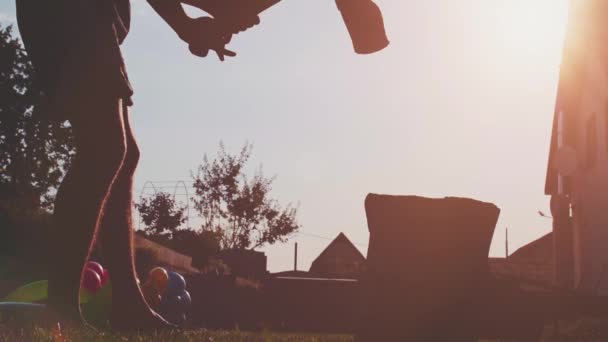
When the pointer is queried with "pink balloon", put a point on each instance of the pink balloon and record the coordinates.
(91, 281)
(95, 266)
(105, 277)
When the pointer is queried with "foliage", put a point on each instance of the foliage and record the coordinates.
(24, 236)
(161, 214)
(201, 246)
(34, 151)
(237, 207)
(163, 218)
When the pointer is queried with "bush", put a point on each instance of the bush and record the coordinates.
(24, 236)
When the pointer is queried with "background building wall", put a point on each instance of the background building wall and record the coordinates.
(590, 188)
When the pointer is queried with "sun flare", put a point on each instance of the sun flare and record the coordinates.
(533, 25)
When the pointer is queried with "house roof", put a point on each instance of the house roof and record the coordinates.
(538, 251)
(341, 239)
(531, 264)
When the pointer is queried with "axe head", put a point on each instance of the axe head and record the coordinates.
(365, 25)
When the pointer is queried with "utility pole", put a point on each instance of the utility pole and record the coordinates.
(295, 258)
(507, 243)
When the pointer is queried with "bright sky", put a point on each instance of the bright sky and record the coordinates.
(460, 104)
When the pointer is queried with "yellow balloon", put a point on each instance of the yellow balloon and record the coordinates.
(152, 297)
(159, 278)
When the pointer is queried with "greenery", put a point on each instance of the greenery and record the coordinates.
(237, 212)
(239, 208)
(39, 334)
(35, 151)
(160, 214)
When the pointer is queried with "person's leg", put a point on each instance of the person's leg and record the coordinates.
(129, 308)
(100, 150)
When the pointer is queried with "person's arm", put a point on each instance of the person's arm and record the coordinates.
(173, 13)
(233, 15)
(201, 35)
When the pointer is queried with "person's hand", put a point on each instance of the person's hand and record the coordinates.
(235, 15)
(204, 34)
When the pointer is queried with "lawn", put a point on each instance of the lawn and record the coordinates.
(581, 329)
(81, 334)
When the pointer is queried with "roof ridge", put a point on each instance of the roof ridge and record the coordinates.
(340, 238)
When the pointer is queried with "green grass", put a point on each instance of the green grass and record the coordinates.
(82, 334)
(582, 329)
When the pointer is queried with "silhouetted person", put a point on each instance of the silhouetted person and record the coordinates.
(75, 48)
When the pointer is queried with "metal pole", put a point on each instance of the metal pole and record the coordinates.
(507, 243)
(295, 258)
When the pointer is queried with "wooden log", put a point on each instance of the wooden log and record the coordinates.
(427, 262)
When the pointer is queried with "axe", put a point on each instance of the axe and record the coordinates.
(363, 20)
(365, 25)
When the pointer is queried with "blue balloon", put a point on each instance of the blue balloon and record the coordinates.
(185, 299)
(172, 309)
(170, 306)
(176, 285)
(175, 318)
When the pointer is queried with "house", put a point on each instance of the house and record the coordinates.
(531, 265)
(244, 263)
(166, 256)
(340, 259)
(577, 172)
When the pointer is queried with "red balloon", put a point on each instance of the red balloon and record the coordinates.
(91, 281)
(95, 266)
(105, 277)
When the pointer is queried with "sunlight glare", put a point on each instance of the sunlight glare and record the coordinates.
(533, 25)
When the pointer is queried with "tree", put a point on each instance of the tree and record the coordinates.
(35, 151)
(161, 214)
(163, 218)
(239, 208)
(201, 245)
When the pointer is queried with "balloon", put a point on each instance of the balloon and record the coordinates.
(159, 277)
(153, 298)
(176, 285)
(154, 301)
(175, 318)
(170, 305)
(33, 292)
(97, 310)
(95, 266)
(185, 299)
(105, 277)
(19, 306)
(37, 292)
(91, 281)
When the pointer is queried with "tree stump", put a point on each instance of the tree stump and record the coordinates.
(427, 275)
